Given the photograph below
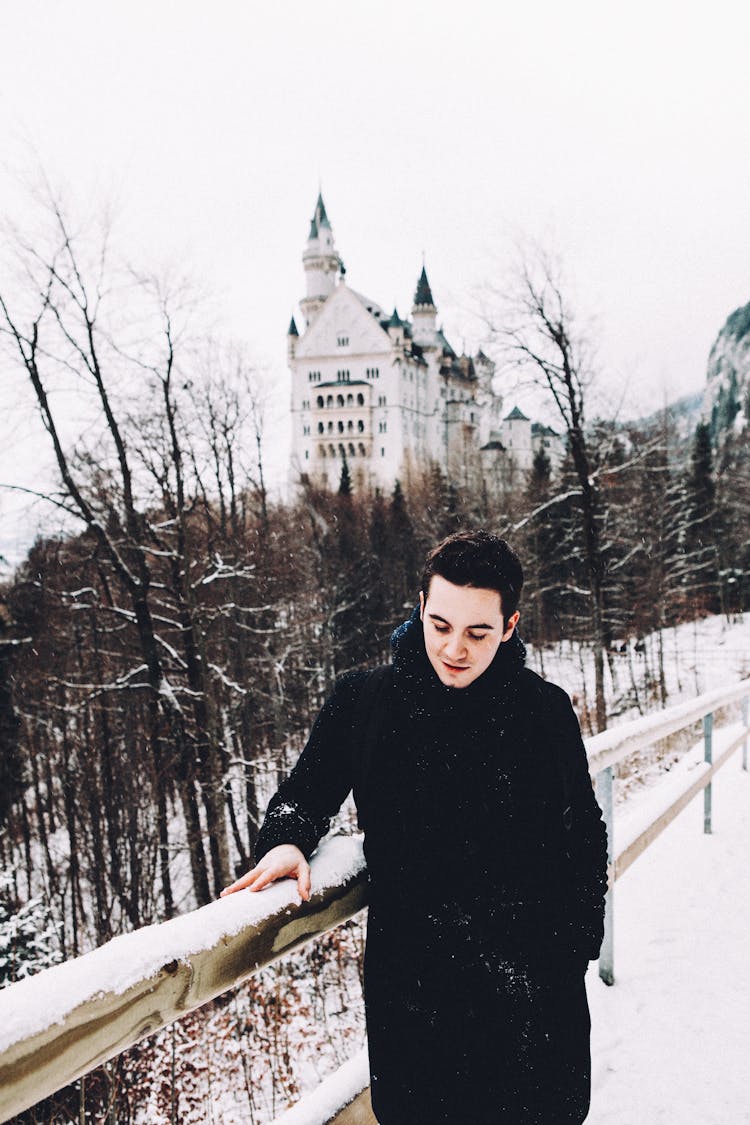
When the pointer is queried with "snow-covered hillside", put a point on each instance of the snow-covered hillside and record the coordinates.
(697, 657)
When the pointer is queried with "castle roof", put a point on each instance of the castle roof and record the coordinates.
(320, 212)
(443, 343)
(313, 229)
(292, 331)
(539, 429)
(516, 416)
(423, 294)
(372, 307)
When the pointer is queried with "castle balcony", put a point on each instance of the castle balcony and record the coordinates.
(61, 1023)
(341, 422)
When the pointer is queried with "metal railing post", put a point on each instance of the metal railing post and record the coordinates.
(744, 723)
(708, 733)
(604, 795)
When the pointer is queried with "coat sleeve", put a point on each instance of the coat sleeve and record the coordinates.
(301, 809)
(586, 844)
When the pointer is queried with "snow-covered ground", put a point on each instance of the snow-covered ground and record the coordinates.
(670, 1039)
(697, 656)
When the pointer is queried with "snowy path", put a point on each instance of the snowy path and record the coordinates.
(671, 1039)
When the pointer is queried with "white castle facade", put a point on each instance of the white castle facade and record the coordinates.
(390, 396)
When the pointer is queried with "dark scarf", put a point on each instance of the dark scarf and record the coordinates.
(417, 679)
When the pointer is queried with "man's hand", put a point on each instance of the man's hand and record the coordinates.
(282, 861)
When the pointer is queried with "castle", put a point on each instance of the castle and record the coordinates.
(391, 396)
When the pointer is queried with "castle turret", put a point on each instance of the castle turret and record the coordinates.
(291, 339)
(424, 313)
(396, 328)
(321, 262)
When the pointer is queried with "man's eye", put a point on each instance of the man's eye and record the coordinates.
(439, 628)
(477, 636)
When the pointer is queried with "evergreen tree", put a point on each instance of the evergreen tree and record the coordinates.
(404, 553)
(345, 480)
(700, 524)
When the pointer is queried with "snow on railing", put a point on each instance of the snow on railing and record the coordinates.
(63, 1022)
(615, 744)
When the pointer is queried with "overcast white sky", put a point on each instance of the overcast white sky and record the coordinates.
(618, 132)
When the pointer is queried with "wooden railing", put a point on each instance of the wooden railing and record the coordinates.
(61, 1023)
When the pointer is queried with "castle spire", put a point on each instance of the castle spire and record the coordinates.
(320, 260)
(424, 313)
(423, 293)
(320, 212)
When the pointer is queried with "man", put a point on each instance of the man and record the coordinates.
(485, 850)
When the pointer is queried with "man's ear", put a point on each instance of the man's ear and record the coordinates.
(421, 605)
(512, 622)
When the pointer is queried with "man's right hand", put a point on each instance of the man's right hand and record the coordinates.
(279, 863)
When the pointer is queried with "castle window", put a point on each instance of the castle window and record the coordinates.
(321, 427)
(351, 449)
(330, 427)
(350, 400)
(383, 428)
(342, 451)
(332, 450)
(350, 426)
(339, 400)
(320, 402)
(381, 400)
(360, 426)
(322, 451)
(306, 431)
(360, 400)
(329, 400)
(341, 427)
(361, 449)
(307, 454)
(342, 341)
(382, 451)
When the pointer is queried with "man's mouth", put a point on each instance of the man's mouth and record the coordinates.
(455, 667)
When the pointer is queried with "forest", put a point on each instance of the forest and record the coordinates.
(161, 663)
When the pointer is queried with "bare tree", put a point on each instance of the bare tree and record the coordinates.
(64, 332)
(537, 333)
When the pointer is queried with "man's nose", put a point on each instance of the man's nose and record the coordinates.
(455, 647)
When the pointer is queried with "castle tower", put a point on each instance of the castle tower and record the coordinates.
(320, 261)
(292, 337)
(424, 313)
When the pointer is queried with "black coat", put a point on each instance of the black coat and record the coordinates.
(484, 909)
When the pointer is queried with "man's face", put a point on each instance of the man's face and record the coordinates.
(463, 629)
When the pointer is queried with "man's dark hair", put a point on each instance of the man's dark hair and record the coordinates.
(477, 558)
